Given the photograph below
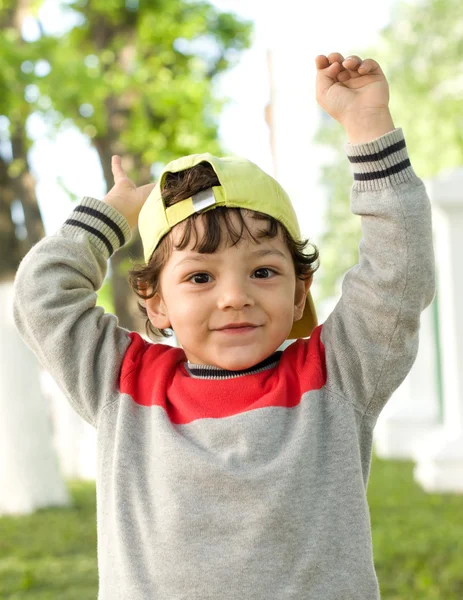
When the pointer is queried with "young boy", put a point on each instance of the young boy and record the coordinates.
(227, 469)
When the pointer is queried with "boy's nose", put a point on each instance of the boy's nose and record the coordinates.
(234, 295)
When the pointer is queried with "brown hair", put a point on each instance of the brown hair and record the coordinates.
(179, 186)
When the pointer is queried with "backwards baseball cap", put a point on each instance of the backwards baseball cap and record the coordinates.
(242, 185)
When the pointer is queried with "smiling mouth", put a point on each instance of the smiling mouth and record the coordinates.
(238, 329)
(237, 325)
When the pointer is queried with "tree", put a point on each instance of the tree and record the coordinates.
(420, 51)
(138, 79)
(16, 181)
(29, 475)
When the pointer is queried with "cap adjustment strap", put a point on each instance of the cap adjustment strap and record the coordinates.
(203, 199)
(184, 209)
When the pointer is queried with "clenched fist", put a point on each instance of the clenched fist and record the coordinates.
(355, 92)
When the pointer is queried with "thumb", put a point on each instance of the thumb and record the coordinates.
(326, 78)
(116, 167)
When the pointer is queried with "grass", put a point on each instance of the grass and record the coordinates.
(417, 540)
(417, 537)
(51, 554)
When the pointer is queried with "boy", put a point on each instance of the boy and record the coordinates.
(227, 469)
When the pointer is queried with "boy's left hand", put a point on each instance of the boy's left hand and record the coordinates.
(355, 92)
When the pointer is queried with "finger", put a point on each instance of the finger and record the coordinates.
(352, 62)
(345, 75)
(359, 67)
(369, 66)
(322, 62)
(326, 78)
(336, 57)
(116, 167)
(353, 65)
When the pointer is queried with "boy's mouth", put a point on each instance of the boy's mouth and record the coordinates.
(237, 326)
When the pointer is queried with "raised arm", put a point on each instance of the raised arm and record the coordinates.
(55, 298)
(371, 338)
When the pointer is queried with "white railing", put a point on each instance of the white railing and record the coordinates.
(424, 419)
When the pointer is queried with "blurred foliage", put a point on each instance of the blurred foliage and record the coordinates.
(13, 80)
(416, 540)
(421, 53)
(17, 186)
(141, 71)
(137, 78)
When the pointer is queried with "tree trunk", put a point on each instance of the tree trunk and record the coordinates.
(24, 187)
(125, 301)
(118, 110)
(10, 254)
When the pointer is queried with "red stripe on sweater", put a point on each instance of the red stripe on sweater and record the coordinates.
(154, 375)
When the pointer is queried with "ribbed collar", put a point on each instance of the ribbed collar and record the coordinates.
(211, 372)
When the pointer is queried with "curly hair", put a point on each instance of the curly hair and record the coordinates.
(218, 222)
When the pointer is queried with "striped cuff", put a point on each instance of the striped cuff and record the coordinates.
(107, 229)
(381, 163)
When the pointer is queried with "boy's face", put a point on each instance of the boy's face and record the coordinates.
(203, 295)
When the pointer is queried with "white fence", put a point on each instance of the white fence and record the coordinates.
(424, 420)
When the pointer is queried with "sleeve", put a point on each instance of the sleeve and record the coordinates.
(371, 337)
(55, 312)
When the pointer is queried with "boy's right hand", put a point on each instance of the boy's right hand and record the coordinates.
(125, 196)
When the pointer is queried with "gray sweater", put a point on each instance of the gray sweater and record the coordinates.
(247, 485)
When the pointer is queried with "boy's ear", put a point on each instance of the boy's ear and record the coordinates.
(300, 296)
(157, 312)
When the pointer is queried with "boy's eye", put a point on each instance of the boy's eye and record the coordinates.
(200, 278)
(263, 273)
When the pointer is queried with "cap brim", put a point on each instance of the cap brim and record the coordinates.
(307, 323)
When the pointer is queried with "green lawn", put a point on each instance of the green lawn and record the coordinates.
(417, 537)
(418, 541)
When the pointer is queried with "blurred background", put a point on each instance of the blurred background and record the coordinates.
(151, 81)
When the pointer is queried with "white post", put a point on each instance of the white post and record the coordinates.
(29, 473)
(440, 459)
(413, 411)
(74, 438)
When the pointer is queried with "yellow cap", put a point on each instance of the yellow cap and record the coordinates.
(242, 185)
